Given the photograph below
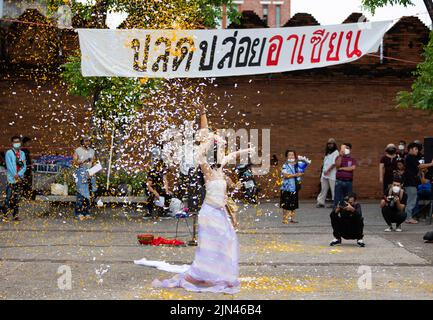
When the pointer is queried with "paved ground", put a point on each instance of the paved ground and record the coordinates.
(277, 261)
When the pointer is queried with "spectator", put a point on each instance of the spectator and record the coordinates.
(347, 221)
(388, 163)
(274, 160)
(424, 190)
(393, 205)
(346, 165)
(28, 176)
(329, 171)
(420, 149)
(399, 171)
(290, 188)
(84, 158)
(16, 168)
(401, 152)
(157, 186)
(412, 179)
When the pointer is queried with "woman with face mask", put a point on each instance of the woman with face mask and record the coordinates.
(290, 187)
(393, 205)
(15, 170)
(387, 166)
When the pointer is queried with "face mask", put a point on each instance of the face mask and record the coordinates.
(346, 151)
(391, 151)
(291, 160)
(16, 145)
(401, 147)
(396, 189)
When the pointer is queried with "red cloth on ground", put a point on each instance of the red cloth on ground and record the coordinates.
(162, 241)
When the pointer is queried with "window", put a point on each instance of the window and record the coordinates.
(265, 13)
(277, 16)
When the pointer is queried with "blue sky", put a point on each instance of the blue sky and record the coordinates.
(335, 11)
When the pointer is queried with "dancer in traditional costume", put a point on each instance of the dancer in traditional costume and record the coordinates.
(215, 267)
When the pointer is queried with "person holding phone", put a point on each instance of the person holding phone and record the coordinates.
(289, 200)
(347, 221)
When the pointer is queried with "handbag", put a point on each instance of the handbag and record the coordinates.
(428, 236)
(232, 208)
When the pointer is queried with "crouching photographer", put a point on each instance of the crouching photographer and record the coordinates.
(393, 205)
(347, 221)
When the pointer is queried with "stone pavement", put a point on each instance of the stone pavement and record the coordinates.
(276, 262)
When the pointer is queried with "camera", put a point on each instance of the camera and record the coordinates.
(390, 200)
(20, 164)
(343, 204)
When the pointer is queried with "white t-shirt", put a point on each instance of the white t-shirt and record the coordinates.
(328, 161)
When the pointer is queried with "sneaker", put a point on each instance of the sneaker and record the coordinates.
(389, 229)
(361, 243)
(398, 229)
(335, 242)
(5, 219)
(16, 219)
(80, 217)
(320, 205)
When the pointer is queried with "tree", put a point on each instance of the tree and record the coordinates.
(116, 102)
(163, 14)
(421, 94)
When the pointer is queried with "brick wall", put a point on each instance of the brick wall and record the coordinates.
(304, 111)
(353, 103)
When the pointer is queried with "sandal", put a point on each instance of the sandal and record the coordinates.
(286, 217)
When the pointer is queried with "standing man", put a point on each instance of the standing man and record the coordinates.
(387, 166)
(345, 165)
(412, 179)
(329, 171)
(16, 168)
(84, 158)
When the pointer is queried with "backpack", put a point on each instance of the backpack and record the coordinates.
(428, 236)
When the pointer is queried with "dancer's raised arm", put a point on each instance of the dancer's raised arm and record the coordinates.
(201, 156)
(203, 118)
(233, 155)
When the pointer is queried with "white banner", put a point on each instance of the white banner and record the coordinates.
(228, 52)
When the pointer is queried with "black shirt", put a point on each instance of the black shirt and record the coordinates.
(348, 214)
(403, 198)
(411, 177)
(156, 176)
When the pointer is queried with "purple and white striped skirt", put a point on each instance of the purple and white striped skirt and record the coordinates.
(216, 264)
